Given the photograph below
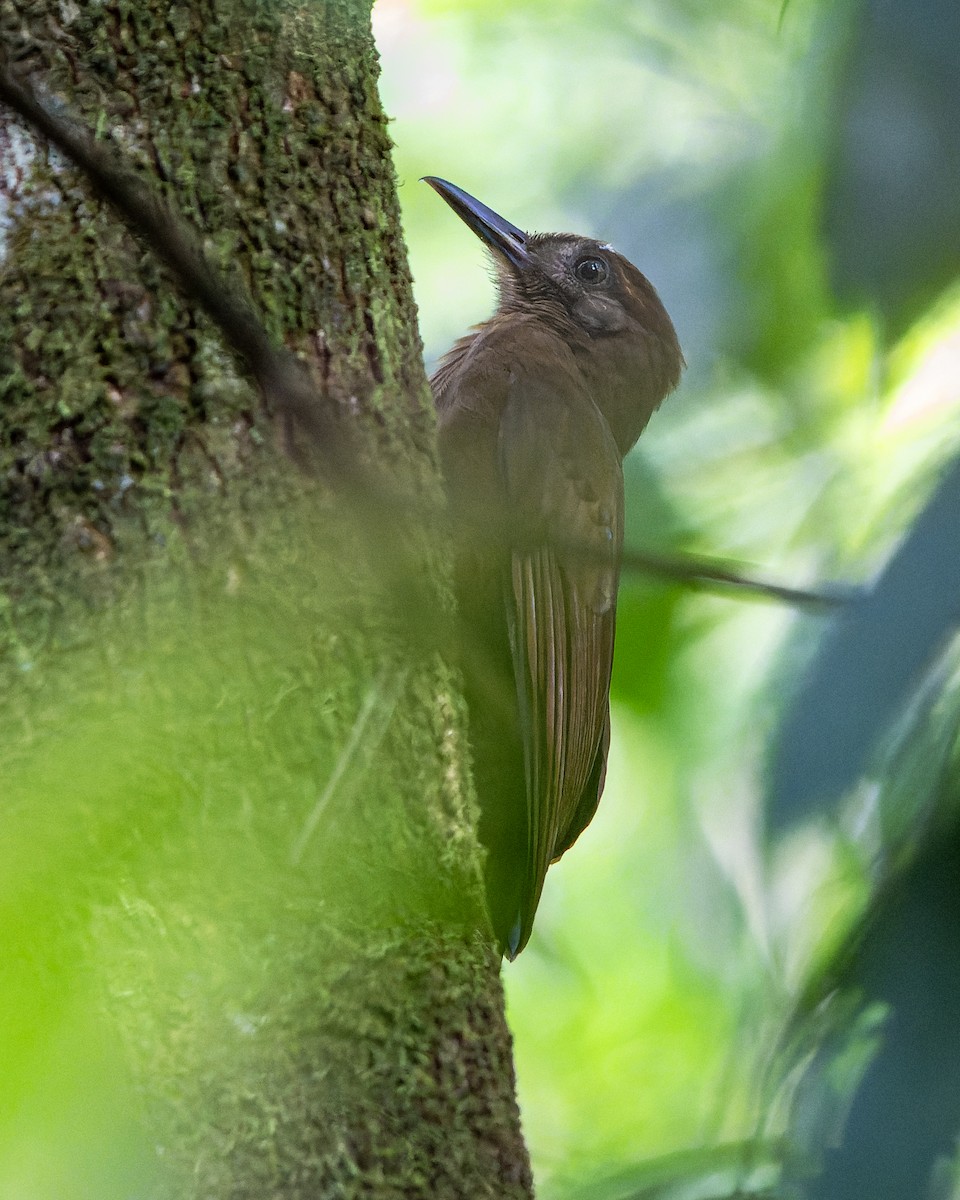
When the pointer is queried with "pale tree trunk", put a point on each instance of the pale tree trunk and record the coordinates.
(249, 938)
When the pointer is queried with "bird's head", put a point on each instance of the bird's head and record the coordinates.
(577, 280)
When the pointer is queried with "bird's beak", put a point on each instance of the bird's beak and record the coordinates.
(490, 227)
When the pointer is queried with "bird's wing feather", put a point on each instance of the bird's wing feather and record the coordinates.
(563, 481)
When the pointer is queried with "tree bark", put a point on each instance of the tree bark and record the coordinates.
(243, 826)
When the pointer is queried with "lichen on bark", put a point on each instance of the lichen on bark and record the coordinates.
(116, 393)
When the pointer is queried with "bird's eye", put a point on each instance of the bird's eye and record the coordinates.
(591, 270)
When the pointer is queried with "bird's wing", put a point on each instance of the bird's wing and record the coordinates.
(564, 484)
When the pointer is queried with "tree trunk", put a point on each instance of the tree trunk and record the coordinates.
(241, 880)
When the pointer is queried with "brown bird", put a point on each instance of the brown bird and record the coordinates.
(537, 408)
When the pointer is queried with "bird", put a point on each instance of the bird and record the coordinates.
(536, 408)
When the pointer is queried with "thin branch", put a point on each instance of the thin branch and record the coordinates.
(717, 575)
(307, 419)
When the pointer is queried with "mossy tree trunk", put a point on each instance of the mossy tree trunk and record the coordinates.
(241, 878)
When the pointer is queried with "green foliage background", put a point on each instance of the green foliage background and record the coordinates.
(726, 149)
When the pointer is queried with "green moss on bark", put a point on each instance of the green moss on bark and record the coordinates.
(260, 123)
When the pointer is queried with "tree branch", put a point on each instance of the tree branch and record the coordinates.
(721, 576)
(307, 421)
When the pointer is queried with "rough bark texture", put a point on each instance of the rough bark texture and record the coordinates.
(253, 811)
